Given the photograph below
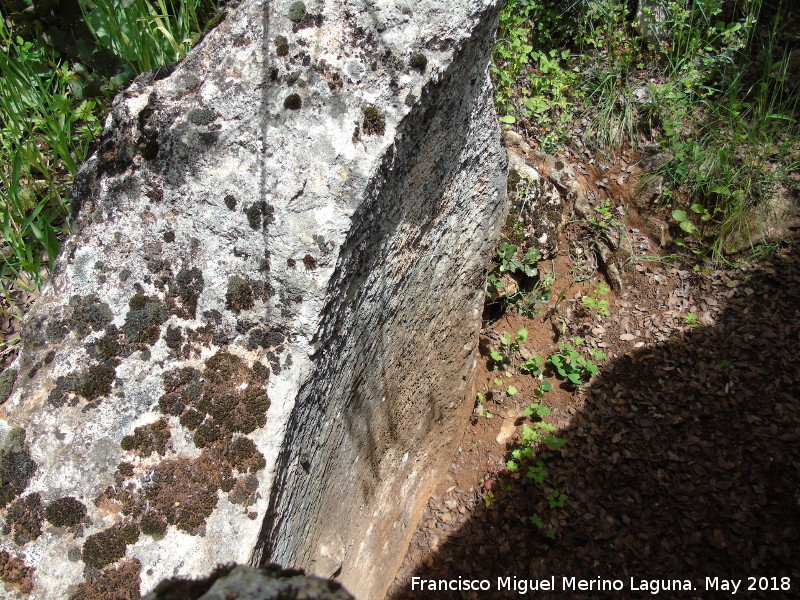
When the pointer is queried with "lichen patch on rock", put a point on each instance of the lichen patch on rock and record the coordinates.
(108, 546)
(148, 439)
(24, 519)
(16, 466)
(65, 512)
(16, 573)
(117, 582)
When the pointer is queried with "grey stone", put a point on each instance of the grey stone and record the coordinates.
(247, 583)
(282, 373)
(652, 21)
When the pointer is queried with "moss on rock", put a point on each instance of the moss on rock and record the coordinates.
(184, 491)
(239, 295)
(7, 380)
(225, 400)
(24, 519)
(148, 439)
(65, 512)
(91, 383)
(255, 215)
(144, 319)
(373, 123)
(109, 545)
(201, 116)
(55, 331)
(14, 572)
(16, 466)
(88, 314)
(296, 12)
(281, 45)
(153, 524)
(118, 582)
(293, 102)
(186, 290)
(96, 381)
(418, 61)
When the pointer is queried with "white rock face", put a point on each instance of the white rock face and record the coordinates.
(256, 345)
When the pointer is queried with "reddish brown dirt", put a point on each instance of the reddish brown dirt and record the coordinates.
(682, 458)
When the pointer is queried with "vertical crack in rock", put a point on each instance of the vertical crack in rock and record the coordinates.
(257, 341)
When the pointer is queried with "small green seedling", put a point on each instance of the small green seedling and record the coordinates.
(512, 345)
(533, 366)
(537, 472)
(557, 499)
(537, 410)
(481, 412)
(686, 224)
(554, 443)
(724, 365)
(574, 366)
(509, 346)
(690, 319)
(596, 302)
(603, 219)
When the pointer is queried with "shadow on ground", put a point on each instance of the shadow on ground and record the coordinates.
(684, 464)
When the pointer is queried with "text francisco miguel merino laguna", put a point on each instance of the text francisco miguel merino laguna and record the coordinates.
(523, 586)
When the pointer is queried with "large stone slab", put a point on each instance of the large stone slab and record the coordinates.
(256, 345)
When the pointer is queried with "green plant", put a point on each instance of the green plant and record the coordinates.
(45, 135)
(509, 346)
(597, 302)
(534, 77)
(536, 444)
(511, 262)
(572, 365)
(724, 365)
(730, 122)
(543, 388)
(479, 409)
(536, 410)
(537, 522)
(529, 303)
(530, 437)
(690, 319)
(603, 218)
(533, 366)
(557, 499)
(501, 287)
(722, 104)
(147, 34)
(537, 472)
